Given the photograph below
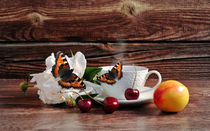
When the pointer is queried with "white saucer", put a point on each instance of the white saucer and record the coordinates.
(146, 96)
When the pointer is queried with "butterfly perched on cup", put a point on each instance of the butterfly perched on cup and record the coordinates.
(110, 77)
(66, 78)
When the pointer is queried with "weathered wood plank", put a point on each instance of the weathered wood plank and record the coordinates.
(27, 112)
(104, 20)
(173, 60)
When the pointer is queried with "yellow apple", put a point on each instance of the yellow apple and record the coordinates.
(171, 96)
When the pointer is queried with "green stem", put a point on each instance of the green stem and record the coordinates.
(28, 77)
(92, 98)
(72, 54)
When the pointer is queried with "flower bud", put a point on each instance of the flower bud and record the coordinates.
(24, 86)
(70, 102)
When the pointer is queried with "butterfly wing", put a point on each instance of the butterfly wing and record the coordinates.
(62, 69)
(75, 82)
(66, 74)
(117, 71)
(60, 63)
(105, 78)
(110, 77)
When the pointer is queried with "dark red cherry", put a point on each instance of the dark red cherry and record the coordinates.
(131, 94)
(111, 104)
(85, 105)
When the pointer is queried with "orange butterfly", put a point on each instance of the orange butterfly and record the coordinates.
(110, 77)
(67, 78)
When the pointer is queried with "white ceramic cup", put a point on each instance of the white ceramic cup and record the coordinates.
(117, 90)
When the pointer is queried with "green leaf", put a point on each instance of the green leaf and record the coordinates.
(96, 82)
(86, 97)
(90, 73)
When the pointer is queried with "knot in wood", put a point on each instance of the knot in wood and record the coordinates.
(129, 9)
(133, 8)
(36, 18)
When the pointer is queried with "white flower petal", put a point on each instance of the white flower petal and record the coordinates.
(71, 92)
(50, 61)
(70, 61)
(51, 92)
(95, 88)
(79, 64)
(48, 88)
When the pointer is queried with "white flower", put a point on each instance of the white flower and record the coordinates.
(50, 92)
(78, 63)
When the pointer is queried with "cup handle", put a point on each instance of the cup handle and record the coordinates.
(159, 77)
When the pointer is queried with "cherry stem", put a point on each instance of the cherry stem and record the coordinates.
(134, 77)
(77, 94)
(92, 98)
(30, 85)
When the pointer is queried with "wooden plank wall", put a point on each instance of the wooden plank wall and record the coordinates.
(104, 20)
(169, 36)
(174, 60)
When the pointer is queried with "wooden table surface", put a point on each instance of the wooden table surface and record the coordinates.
(27, 112)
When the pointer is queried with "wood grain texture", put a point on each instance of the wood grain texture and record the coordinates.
(172, 60)
(27, 112)
(104, 20)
